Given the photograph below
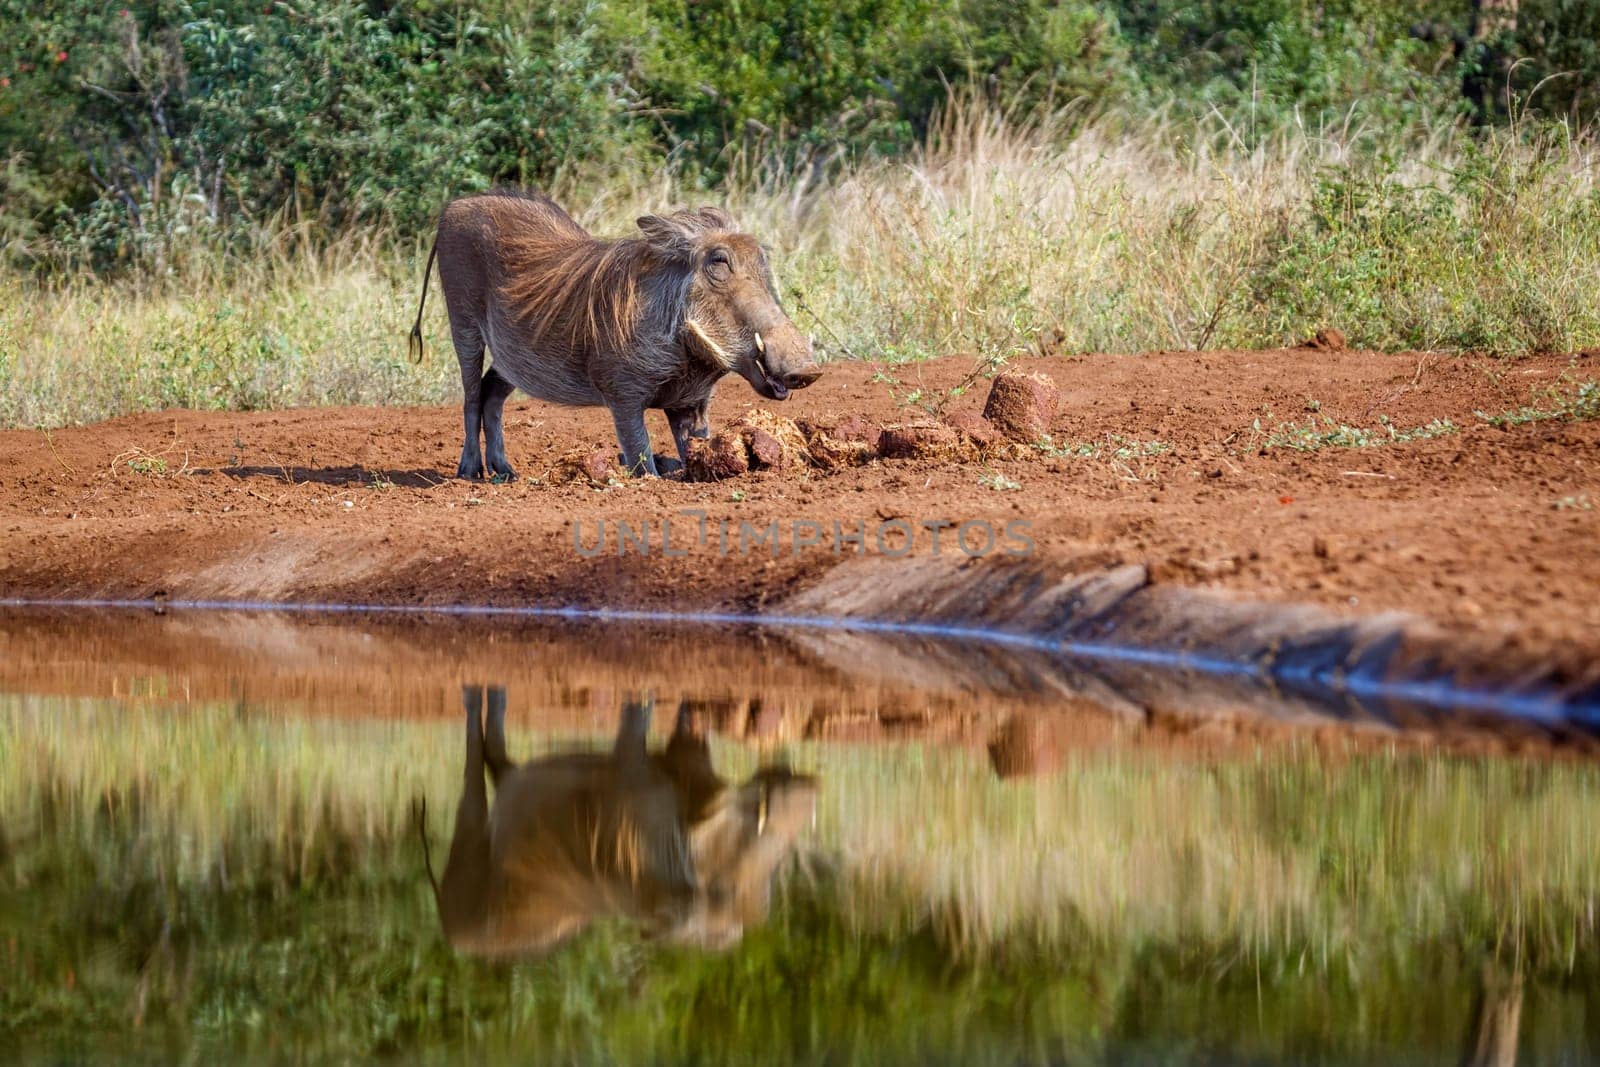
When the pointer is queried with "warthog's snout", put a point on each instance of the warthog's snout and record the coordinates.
(782, 361)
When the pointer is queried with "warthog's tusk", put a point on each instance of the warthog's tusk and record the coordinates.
(762, 810)
(761, 346)
(717, 351)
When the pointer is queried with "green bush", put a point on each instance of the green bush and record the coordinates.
(133, 136)
(153, 123)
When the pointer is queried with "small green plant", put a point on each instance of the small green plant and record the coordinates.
(1580, 403)
(1580, 502)
(148, 465)
(1125, 448)
(998, 482)
(1065, 449)
(1311, 436)
(737, 496)
(379, 481)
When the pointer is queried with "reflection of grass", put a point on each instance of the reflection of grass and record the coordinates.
(1280, 856)
(237, 880)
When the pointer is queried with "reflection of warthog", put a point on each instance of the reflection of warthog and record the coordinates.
(659, 839)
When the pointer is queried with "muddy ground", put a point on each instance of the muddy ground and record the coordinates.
(1484, 529)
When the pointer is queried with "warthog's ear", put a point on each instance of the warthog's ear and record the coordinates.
(665, 232)
(674, 232)
(714, 218)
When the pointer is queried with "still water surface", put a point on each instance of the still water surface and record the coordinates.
(216, 835)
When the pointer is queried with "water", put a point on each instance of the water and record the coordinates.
(210, 848)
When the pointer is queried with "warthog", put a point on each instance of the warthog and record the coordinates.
(657, 838)
(646, 322)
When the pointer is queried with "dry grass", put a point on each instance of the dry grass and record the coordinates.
(1000, 235)
(997, 237)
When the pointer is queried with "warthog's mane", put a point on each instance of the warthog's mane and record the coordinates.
(569, 287)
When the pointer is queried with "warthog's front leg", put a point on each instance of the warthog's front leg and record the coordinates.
(635, 440)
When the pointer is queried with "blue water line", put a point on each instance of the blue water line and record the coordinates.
(1440, 694)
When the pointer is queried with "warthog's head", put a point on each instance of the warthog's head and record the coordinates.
(731, 316)
(749, 832)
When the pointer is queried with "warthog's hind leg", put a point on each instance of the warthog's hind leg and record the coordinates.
(492, 401)
(633, 732)
(462, 890)
(494, 749)
(469, 351)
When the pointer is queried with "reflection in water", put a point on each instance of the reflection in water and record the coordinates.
(1492, 1041)
(207, 853)
(656, 838)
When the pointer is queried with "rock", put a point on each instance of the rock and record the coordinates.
(597, 466)
(723, 456)
(855, 429)
(1022, 406)
(756, 440)
(831, 453)
(766, 450)
(774, 440)
(601, 466)
(1022, 747)
(975, 428)
(921, 440)
(1327, 339)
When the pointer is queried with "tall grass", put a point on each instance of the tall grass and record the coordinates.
(1001, 234)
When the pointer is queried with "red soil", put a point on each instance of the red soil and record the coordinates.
(1485, 529)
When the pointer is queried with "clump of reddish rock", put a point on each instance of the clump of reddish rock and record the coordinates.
(1019, 412)
(1022, 406)
(1327, 339)
(1023, 747)
(756, 440)
(923, 439)
(597, 466)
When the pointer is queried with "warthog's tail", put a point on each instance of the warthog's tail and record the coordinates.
(416, 330)
(420, 810)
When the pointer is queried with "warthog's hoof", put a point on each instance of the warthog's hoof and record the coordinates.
(470, 469)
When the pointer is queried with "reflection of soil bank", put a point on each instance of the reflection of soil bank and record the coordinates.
(1115, 638)
(874, 650)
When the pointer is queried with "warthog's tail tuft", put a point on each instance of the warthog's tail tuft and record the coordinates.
(420, 810)
(422, 302)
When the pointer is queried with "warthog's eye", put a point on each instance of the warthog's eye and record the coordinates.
(718, 265)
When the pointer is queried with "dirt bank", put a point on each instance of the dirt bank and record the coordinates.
(1159, 460)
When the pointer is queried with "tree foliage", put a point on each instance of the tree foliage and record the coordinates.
(127, 132)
